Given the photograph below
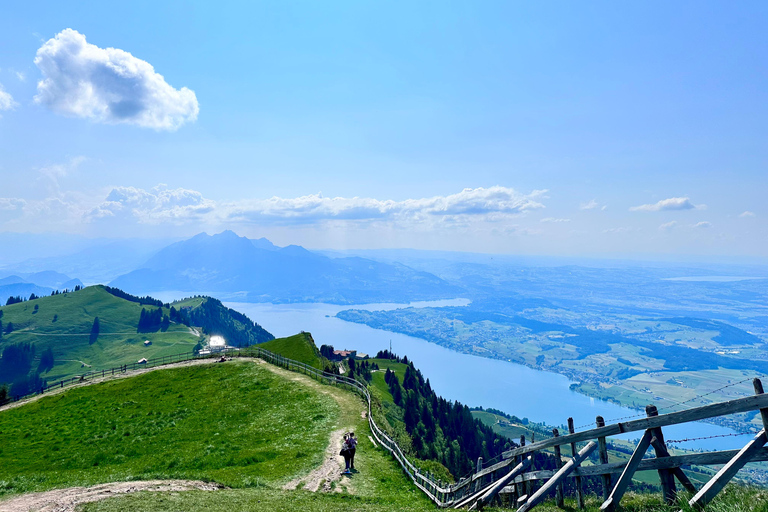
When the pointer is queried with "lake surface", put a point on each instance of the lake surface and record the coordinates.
(475, 381)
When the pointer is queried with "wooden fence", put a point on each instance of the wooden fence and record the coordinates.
(513, 480)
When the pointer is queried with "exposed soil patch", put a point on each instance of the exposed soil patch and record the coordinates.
(322, 478)
(67, 500)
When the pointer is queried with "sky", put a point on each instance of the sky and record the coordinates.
(600, 129)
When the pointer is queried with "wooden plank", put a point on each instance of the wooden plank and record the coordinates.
(698, 459)
(479, 481)
(715, 485)
(746, 404)
(539, 495)
(501, 483)
(579, 487)
(625, 479)
(603, 451)
(666, 478)
(559, 493)
(758, 385)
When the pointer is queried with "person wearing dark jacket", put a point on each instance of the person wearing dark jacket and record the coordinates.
(352, 442)
(345, 452)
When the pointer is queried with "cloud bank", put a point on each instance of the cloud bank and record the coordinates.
(154, 206)
(108, 85)
(478, 202)
(161, 205)
(673, 203)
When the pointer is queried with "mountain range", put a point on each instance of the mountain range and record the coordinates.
(39, 283)
(238, 268)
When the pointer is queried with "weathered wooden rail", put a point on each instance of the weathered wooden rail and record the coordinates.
(513, 478)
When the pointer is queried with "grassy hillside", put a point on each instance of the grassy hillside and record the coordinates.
(299, 347)
(249, 426)
(63, 323)
(232, 423)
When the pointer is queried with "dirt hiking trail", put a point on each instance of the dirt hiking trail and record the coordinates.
(327, 477)
(67, 500)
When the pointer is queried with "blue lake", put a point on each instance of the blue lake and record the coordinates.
(475, 381)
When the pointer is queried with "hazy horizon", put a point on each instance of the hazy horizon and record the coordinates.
(594, 130)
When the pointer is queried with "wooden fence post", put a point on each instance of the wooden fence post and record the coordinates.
(603, 451)
(626, 476)
(574, 453)
(666, 477)
(716, 484)
(559, 462)
(522, 488)
(478, 481)
(570, 466)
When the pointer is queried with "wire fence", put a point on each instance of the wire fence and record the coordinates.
(441, 493)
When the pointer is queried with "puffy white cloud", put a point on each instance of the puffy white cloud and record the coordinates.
(554, 220)
(673, 203)
(703, 224)
(153, 207)
(126, 208)
(746, 214)
(108, 85)
(486, 202)
(6, 100)
(589, 205)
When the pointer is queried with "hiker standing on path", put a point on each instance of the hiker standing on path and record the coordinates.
(346, 453)
(352, 441)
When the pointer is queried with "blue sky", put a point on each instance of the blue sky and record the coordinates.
(580, 128)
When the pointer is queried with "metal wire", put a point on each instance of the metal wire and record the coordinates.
(711, 392)
(676, 403)
(736, 434)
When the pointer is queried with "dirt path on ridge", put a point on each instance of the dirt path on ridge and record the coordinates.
(327, 477)
(67, 500)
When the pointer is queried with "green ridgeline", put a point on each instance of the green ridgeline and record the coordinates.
(299, 347)
(237, 423)
(63, 325)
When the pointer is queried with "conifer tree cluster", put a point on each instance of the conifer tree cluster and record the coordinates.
(441, 430)
(361, 370)
(153, 320)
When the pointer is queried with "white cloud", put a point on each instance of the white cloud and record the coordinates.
(479, 202)
(6, 100)
(125, 208)
(589, 205)
(668, 225)
(11, 203)
(746, 214)
(554, 220)
(108, 85)
(673, 203)
(703, 224)
(20, 75)
(57, 171)
(153, 207)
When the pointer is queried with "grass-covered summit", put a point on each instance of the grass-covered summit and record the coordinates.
(98, 327)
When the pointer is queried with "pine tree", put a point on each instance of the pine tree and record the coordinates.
(94, 331)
